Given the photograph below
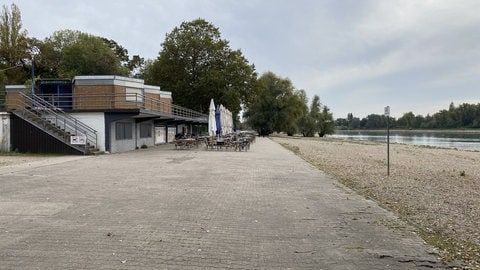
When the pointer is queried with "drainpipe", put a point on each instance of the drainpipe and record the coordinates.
(136, 139)
(33, 74)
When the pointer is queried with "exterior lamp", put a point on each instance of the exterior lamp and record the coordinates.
(34, 51)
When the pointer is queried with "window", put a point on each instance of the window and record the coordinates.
(123, 131)
(145, 130)
(134, 95)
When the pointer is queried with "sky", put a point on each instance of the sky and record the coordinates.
(358, 56)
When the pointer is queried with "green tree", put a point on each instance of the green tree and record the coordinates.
(14, 49)
(89, 56)
(293, 111)
(67, 53)
(374, 121)
(278, 107)
(326, 125)
(407, 121)
(310, 118)
(132, 64)
(306, 124)
(322, 118)
(196, 64)
(146, 71)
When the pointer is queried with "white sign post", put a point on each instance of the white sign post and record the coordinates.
(387, 114)
(387, 111)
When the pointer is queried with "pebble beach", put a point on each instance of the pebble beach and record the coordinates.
(436, 190)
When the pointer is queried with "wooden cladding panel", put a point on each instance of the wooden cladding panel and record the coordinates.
(92, 97)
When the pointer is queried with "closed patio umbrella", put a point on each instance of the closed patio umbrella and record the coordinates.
(212, 123)
(218, 120)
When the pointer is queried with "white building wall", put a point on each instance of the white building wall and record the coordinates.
(4, 132)
(95, 120)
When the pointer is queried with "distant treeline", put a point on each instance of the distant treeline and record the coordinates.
(463, 116)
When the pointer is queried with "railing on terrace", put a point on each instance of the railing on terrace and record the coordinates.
(120, 101)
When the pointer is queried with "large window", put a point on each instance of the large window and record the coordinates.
(145, 130)
(123, 131)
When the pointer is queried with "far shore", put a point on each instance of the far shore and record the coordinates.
(437, 190)
(461, 130)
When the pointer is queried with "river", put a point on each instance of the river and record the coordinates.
(459, 139)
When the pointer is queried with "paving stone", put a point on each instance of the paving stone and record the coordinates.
(161, 208)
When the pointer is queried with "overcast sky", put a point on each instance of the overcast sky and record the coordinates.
(357, 55)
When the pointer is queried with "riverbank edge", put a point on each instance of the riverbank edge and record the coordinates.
(452, 248)
(464, 130)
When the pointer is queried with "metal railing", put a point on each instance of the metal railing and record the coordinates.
(121, 101)
(54, 119)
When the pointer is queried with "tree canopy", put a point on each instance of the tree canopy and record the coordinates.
(14, 49)
(318, 119)
(196, 64)
(278, 107)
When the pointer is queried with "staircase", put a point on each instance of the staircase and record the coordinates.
(55, 122)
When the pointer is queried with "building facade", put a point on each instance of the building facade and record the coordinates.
(110, 113)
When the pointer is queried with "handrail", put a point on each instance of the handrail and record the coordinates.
(59, 118)
(120, 101)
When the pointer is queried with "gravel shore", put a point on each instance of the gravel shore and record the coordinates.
(436, 190)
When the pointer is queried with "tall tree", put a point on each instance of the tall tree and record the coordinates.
(322, 119)
(14, 49)
(132, 64)
(278, 106)
(88, 56)
(196, 64)
(326, 125)
(306, 123)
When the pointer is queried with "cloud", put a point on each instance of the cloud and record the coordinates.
(358, 56)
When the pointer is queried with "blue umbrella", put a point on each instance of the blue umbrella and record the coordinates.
(218, 120)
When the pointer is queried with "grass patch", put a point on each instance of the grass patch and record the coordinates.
(392, 223)
(452, 249)
(348, 182)
(292, 148)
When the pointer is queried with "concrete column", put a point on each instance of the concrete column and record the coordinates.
(4, 132)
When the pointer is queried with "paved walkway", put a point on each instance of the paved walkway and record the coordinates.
(161, 208)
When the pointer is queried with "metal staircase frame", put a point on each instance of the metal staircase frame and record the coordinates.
(55, 122)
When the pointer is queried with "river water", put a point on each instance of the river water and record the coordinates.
(460, 139)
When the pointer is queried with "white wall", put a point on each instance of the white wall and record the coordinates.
(4, 132)
(95, 120)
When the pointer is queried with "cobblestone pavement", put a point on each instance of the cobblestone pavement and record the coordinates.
(161, 208)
